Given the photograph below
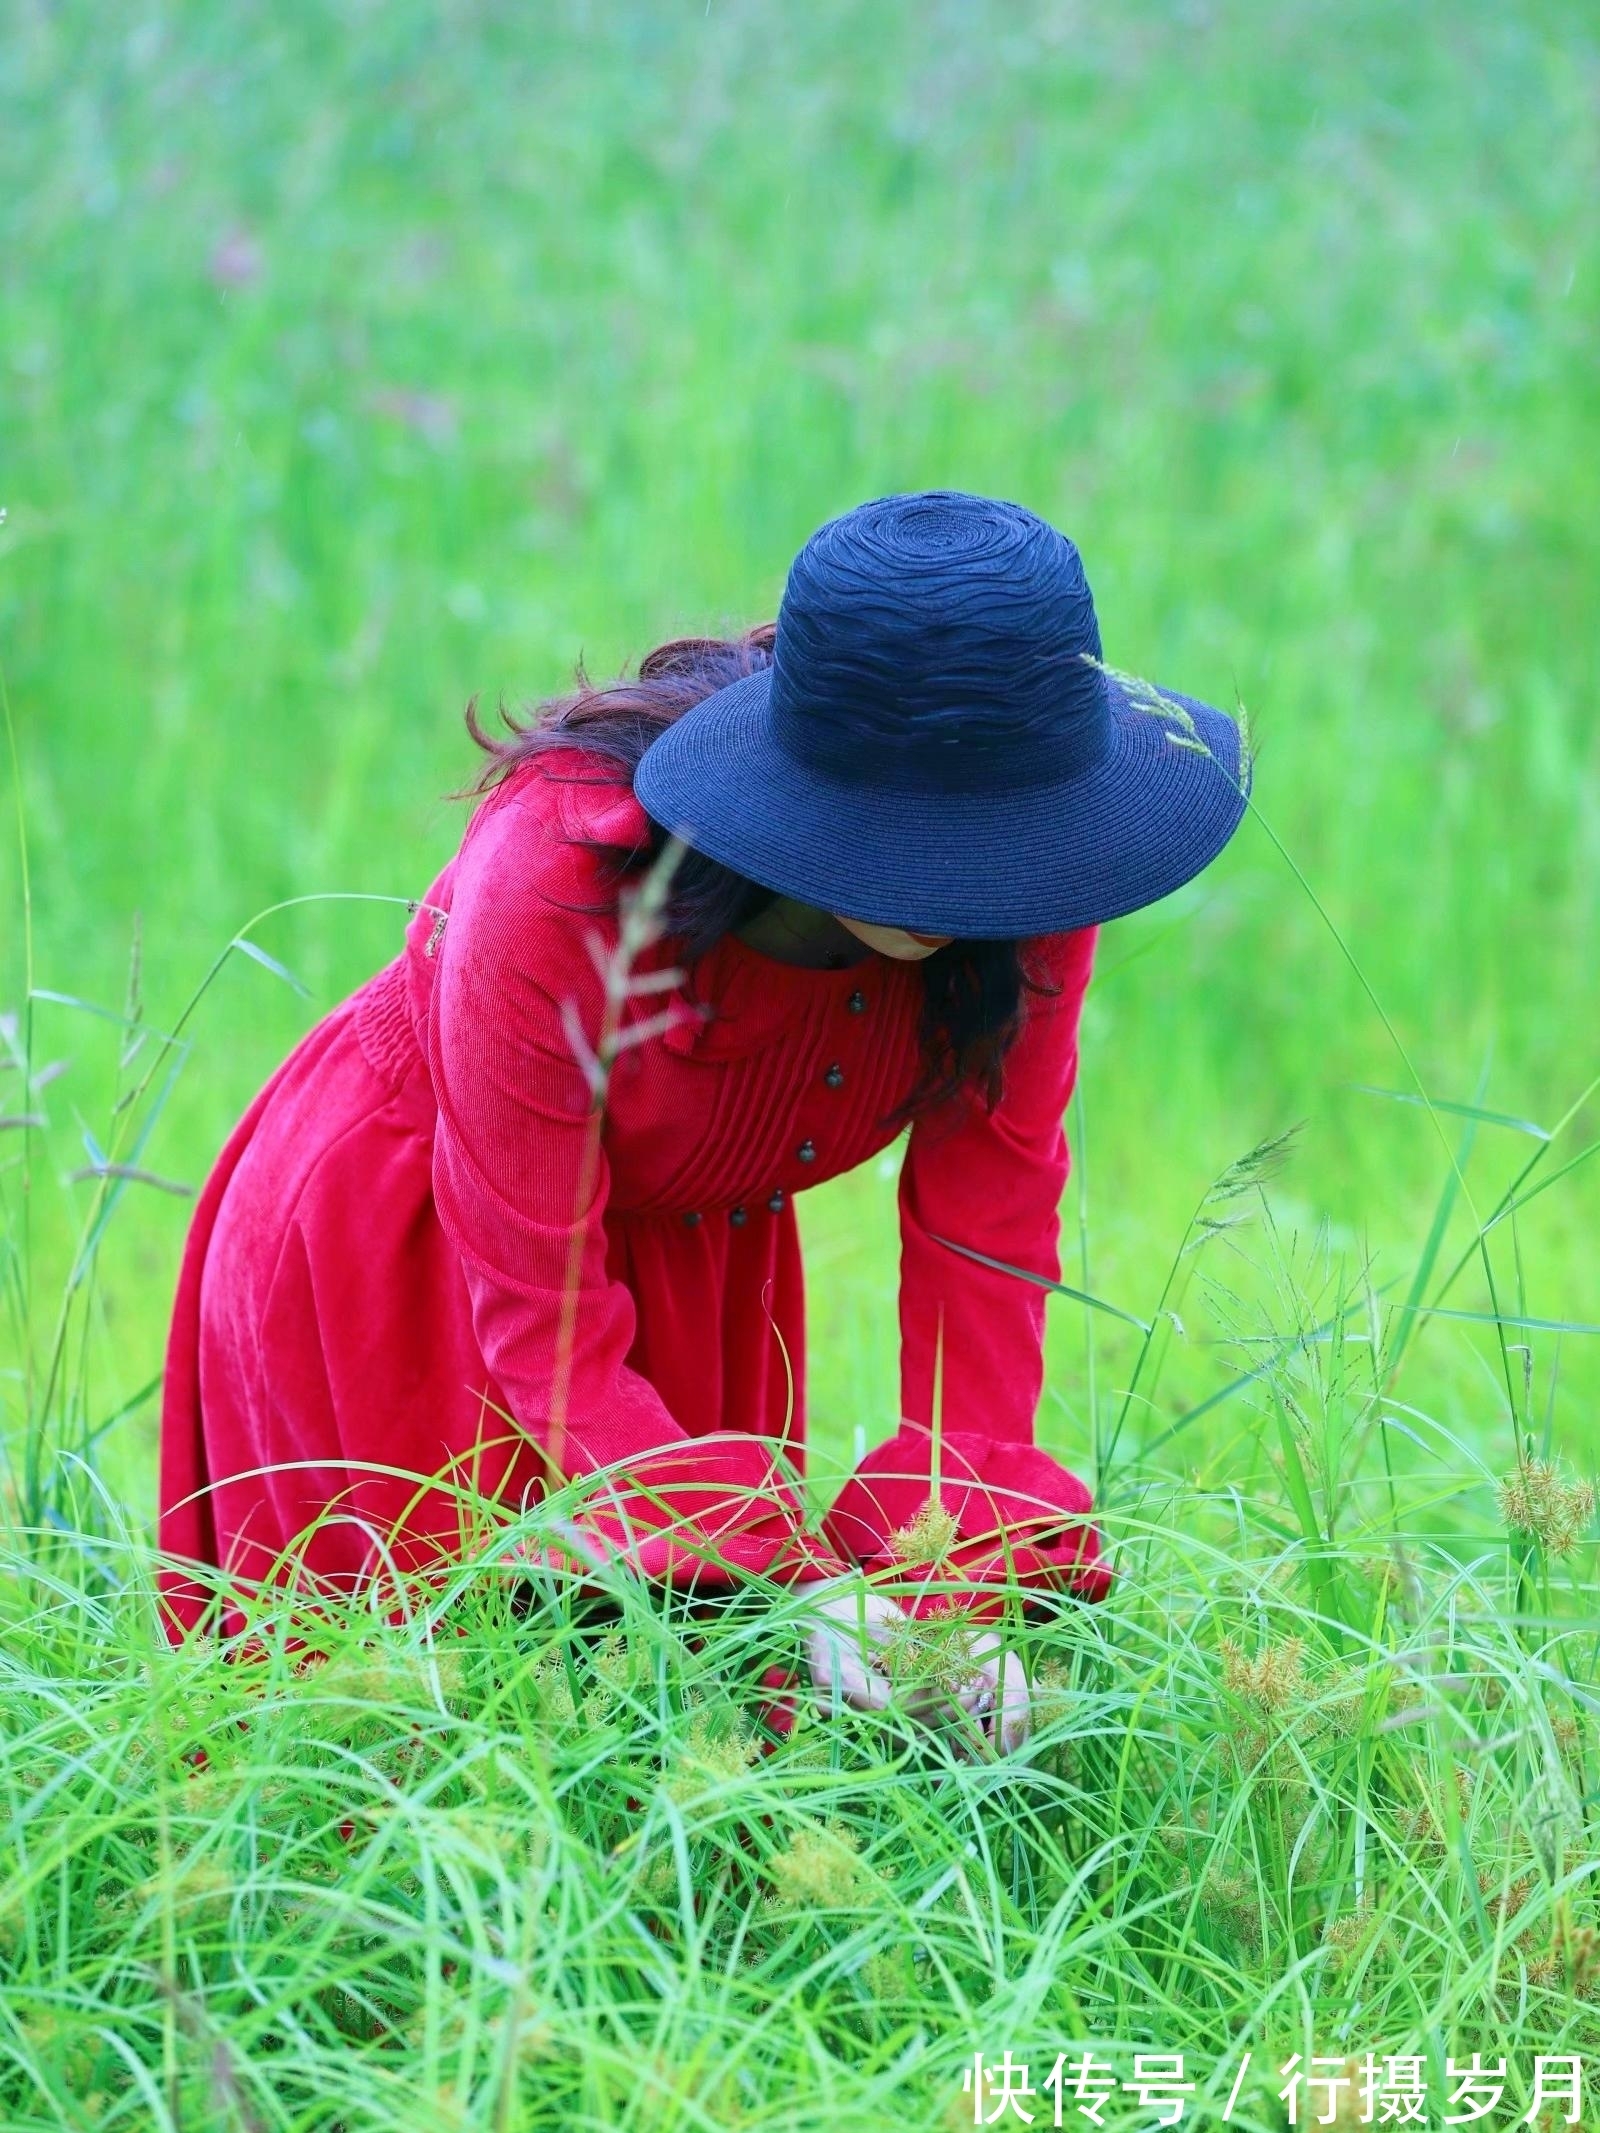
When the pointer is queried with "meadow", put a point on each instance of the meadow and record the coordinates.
(358, 361)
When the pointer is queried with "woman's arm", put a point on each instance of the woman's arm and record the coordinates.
(991, 1182)
(521, 1184)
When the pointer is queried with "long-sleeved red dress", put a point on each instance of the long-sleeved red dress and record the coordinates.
(369, 1323)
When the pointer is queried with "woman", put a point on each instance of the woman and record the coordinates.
(523, 1206)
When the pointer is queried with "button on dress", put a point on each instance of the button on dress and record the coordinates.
(426, 1275)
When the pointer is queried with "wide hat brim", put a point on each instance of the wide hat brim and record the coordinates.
(1156, 809)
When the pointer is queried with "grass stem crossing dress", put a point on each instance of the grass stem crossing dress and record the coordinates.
(421, 1259)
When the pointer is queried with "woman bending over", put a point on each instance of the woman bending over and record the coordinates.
(431, 1259)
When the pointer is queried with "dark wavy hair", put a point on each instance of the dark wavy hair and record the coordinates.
(972, 1003)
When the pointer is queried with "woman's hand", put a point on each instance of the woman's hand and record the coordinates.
(854, 1629)
(1000, 1700)
(850, 1625)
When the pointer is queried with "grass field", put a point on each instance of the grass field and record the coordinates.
(356, 361)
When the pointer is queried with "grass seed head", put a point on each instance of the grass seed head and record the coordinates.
(1348, 1936)
(451, 1670)
(1575, 1951)
(1234, 1903)
(1564, 1731)
(552, 1688)
(820, 1866)
(197, 1886)
(1536, 1502)
(1552, 1815)
(935, 1651)
(1350, 2108)
(888, 1975)
(364, 1674)
(613, 1662)
(211, 1788)
(716, 1753)
(1053, 1694)
(525, 2036)
(615, 1672)
(1280, 1720)
(1504, 1903)
(1274, 1681)
(659, 1879)
(1424, 1824)
(928, 1538)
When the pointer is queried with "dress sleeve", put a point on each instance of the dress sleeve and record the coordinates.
(990, 1181)
(521, 1183)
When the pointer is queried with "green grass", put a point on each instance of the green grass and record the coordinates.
(353, 363)
(1314, 1779)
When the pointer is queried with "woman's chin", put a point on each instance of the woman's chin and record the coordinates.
(898, 944)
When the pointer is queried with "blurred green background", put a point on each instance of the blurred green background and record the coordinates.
(358, 359)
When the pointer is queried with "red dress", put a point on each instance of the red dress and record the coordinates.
(370, 1334)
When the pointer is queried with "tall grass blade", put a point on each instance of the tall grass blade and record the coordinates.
(1443, 1209)
(270, 962)
(1042, 1281)
(1438, 1103)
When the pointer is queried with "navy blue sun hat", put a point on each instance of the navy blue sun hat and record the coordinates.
(936, 746)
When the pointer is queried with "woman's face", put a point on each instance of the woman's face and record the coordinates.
(895, 942)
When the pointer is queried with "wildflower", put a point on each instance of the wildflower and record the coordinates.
(1536, 1502)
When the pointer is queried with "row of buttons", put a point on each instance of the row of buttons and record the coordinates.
(805, 1153)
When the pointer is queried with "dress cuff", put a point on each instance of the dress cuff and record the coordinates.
(703, 1515)
(1007, 1516)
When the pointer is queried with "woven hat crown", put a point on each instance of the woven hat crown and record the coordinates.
(936, 642)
